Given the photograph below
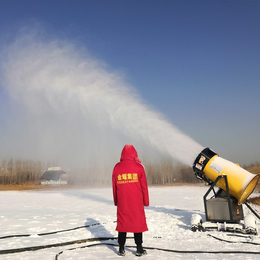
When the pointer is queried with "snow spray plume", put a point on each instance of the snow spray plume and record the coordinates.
(77, 107)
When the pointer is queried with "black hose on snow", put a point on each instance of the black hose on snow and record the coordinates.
(167, 250)
(35, 248)
(54, 232)
(228, 241)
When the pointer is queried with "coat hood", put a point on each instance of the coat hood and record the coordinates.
(129, 152)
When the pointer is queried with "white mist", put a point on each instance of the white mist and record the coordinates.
(74, 105)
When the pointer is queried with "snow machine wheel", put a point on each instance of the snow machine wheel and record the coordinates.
(196, 222)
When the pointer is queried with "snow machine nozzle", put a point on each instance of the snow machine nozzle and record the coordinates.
(208, 166)
(200, 163)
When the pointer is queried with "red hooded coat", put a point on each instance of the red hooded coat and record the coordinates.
(130, 192)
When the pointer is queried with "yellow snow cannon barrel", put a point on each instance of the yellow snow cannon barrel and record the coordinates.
(208, 166)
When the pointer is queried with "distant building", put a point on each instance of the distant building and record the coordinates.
(54, 176)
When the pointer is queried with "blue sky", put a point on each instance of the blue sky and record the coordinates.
(196, 62)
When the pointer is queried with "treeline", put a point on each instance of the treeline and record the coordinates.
(161, 172)
(21, 171)
(165, 172)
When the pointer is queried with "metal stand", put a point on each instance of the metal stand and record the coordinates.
(222, 207)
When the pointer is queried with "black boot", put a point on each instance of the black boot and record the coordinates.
(140, 251)
(121, 251)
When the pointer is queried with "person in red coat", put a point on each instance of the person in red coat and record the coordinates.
(130, 191)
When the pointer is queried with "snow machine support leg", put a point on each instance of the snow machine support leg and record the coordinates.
(252, 210)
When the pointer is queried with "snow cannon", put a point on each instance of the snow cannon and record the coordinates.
(208, 166)
(234, 184)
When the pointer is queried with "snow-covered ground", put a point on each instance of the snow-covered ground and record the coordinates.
(168, 218)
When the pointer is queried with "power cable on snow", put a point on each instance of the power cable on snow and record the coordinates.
(165, 250)
(53, 232)
(35, 248)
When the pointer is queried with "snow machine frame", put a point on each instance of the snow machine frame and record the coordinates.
(222, 206)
